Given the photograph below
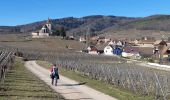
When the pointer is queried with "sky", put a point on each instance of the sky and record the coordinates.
(18, 12)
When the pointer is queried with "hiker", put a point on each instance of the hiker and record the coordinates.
(54, 74)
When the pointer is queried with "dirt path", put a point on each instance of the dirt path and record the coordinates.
(69, 89)
(155, 66)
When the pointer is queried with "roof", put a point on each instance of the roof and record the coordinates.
(157, 42)
(94, 38)
(146, 50)
(92, 48)
(45, 27)
(163, 48)
(101, 37)
(102, 46)
(146, 42)
(111, 46)
(163, 43)
(131, 50)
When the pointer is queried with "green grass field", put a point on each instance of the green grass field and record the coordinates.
(99, 85)
(21, 84)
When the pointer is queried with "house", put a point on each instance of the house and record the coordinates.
(146, 52)
(119, 43)
(70, 37)
(145, 42)
(113, 49)
(94, 38)
(82, 39)
(136, 41)
(102, 39)
(131, 42)
(113, 43)
(161, 50)
(118, 50)
(92, 50)
(131, 52)
(45, 31)
(108, 50)
(107, 40)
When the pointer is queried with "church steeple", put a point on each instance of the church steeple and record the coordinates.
(48, 24)
(48, 21)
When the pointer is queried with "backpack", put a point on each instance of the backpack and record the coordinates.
(54, 71)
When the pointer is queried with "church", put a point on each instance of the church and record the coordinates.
(45, 31)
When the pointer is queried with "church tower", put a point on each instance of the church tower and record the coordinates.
(48, 24)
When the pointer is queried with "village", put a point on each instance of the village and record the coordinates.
(143, 48)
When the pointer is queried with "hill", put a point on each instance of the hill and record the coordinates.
(154, 26)
(78, 26)
(99, 24)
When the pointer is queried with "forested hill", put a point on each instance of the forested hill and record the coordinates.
(96, 24)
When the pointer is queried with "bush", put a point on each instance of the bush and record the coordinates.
(150, 60)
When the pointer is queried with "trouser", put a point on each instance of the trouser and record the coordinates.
(52, 81)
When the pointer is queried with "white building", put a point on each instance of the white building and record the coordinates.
(45, 31)
(131, 52)
(119, 43)
(131, 55)
(108, 50)
(82, 39)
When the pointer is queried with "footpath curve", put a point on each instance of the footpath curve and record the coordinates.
(69, 89)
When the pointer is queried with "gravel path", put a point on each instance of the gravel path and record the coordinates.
(155, 66)
(69, 89)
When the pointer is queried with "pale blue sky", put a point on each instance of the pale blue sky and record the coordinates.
(17, 12)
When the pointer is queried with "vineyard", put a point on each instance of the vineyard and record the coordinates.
(17, 83)
(6, 61)
(113, 70)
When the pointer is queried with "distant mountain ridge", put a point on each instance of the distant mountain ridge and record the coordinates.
(96, 24)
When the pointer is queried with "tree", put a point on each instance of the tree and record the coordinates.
(63, 33)
(56, 33)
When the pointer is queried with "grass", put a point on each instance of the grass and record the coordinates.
(99, 85)
(21, 84)
(45, 44)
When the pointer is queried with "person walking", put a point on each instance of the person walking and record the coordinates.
(54, 74)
